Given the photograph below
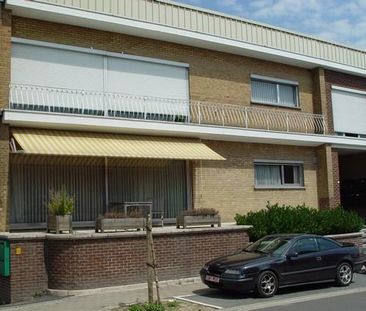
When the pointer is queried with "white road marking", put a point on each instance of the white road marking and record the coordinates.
(185, 298)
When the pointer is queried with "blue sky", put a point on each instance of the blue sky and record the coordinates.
(342, 21)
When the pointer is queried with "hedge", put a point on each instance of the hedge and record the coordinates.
(299, 219)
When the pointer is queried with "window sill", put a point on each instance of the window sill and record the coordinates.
(279, 188)
(253, 102)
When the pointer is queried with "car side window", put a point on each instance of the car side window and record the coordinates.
(306, 246)
(326, 245)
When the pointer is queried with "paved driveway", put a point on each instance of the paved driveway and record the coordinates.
(224, 300)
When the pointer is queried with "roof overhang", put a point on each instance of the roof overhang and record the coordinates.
(17, 118)
(77, 17)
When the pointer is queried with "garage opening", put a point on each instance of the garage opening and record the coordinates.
(352, 173)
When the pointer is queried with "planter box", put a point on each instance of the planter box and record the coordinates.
(103, 224)
(57, 224)
(184, 221)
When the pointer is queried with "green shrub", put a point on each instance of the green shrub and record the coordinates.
(146, 307)
(60, 203)
(299, 219)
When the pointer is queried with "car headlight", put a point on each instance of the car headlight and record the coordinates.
(233, 272)
(205, 267)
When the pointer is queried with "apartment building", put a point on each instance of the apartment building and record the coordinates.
(139, 100)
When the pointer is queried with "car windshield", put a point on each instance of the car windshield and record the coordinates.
(269, 245)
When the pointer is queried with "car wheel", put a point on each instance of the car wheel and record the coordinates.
(344, 274)
(267, 284)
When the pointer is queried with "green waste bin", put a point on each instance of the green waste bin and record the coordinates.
(4, 258)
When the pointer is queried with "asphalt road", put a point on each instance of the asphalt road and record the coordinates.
(235, 301)
(350, 302)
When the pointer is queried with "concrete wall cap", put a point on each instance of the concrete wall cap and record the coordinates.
(345, 235)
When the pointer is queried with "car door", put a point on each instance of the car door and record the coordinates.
(330, 253)
(303, 262)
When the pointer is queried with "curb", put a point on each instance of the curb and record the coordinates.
(59, 293)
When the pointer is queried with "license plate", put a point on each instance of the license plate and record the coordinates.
(213, 279)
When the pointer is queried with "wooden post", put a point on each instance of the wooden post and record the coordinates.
(155, 271)
(150, 264)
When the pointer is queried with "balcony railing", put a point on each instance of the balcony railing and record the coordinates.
(118, 105)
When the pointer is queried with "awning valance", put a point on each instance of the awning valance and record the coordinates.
(70, 143)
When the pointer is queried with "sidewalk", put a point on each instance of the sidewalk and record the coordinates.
(103, 300)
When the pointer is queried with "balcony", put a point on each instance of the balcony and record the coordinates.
(123, 106)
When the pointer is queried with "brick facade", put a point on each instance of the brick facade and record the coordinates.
(229, 185)
(342, 80)
(217, 77)
(336, 180)
(5, 51)
(102, 260)
(328, 177)
(214, 76)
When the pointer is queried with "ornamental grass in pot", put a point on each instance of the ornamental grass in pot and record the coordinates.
(60, 208)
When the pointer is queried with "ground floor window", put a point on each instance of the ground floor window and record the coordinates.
(94, 186)
(278, 175)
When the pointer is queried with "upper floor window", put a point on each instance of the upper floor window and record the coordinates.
(273, 91)
(278, 175)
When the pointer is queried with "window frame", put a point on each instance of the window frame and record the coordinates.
(277, 82)
(281, 164)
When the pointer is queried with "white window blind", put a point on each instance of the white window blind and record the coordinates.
(49, 67)
(274, 93)
(349, 112)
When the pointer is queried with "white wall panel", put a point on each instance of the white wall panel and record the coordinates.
(349, 112)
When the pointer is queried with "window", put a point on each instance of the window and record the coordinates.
(306, 246)
(269, 245)
(278, 175)
(326, 245)
(274, 91)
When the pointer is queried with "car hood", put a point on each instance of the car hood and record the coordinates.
(237, 260)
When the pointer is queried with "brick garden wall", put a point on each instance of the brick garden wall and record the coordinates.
(28, 271)
(355, 238)
(95, 262)
(102, 260)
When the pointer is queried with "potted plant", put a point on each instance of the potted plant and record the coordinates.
(199, 216)
(120, 221)
(60, 207)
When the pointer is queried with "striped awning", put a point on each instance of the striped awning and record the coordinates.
(70, 143)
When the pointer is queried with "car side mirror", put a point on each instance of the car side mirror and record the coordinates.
(291, 255)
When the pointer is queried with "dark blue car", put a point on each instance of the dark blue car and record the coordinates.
(284, 260)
